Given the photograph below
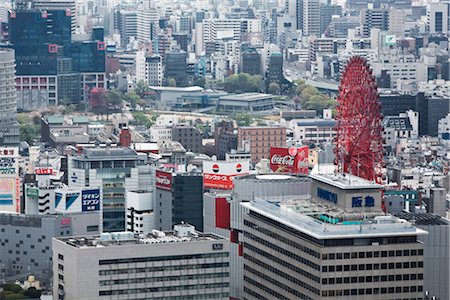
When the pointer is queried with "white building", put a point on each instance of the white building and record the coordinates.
(147, 22)
(153, 70)
(437, 16)
(140, 66)
(404, 69)
(314, 131)
(399, 129)
(160, 134)
(184, 264)
(397, 22)
(140, 215)
(167, 120)
(311, 17)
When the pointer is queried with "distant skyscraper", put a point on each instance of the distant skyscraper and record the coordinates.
(9, 133)
(311, 17)
(176, 67)
(437, 17)
(66, 5)
(374, 18)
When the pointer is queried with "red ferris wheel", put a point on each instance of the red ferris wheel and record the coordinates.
(358, 144)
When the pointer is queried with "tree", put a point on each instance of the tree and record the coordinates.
(132, 98)
(141, 88)
(141, 118)
(243, 83)
(274, 88)
(114, 98)
(200, 81)
(171, 82)
(28, 133)
(243, 119)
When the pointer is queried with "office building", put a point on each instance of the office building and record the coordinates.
(9, 135)
(183, 264)
(245, 103)
(126, 22)
(69, 6)
(223, 214)
(178, 198)
(176, 67)
(26, 241)
(311, 18)
(325, 247)
(275, 69)
(437, 16)
(115, 170)
(374, 18)
(147, 22)
(327, 11)
(153, 70)
(140, 211)
(258, 140)
(250, 62)
(313, 131)
(189, 137)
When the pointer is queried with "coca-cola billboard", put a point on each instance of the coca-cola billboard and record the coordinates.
(289, 160)
(164, 180)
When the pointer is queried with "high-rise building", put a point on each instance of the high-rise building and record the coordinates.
(437, 16)
(68, 6)
(188, 136)
(9, 135)
(250, 62)
(147, 22)
(176, 67)
(154, 70)
(178, 198)
(181, 264)
(338, 245)
(374, 18)
(311, 17)
(126, 22)
(275, 69)
(115, 171)
(327, 11)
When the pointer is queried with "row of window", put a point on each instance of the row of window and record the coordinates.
(279, 261)
(163, 278)
(164, 268)
(383, 266)
(190, 297)
(286, 276)
(282, 251)
(283, 239)
(374, 254)
(161, 258)
(374, 291)
(258, 283)
(381, 278)
(166, 289)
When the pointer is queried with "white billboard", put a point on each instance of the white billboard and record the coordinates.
(9, 179)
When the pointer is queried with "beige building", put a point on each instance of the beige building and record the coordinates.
(257, 140)
(183, 264)
(327, 248)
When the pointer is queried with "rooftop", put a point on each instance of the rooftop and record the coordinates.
(323, 221)
(177, 89)
(120, 239)
(103, 153)
(345, 181)
(246, 97)
(316, 122)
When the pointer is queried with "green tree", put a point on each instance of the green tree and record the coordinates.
(243, 83)
(171, 82)
(33, 293)
(28, 133)
(141, 88)
(132, 98)
(243, 119)
(200, 81)
(141, 118)
(114, 98)
(274, 88)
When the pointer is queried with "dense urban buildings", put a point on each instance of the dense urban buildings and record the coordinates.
(309, 140)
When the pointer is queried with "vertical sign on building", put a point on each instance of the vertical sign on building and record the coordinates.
(9, 179)
(164, 180)
(90, 200)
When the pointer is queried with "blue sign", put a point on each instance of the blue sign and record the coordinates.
(6, 199)
(58, 198)
(71, 198)
(357, 201)
(327, 195)
(90, 200)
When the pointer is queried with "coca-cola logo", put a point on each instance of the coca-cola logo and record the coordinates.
(292, 151)
(286, 160)
(239, 168)
(215, 168)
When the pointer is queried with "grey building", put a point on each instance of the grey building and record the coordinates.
(114, 170)
(245, 103)
(176, 67)
(189, 137)
(374, 18)
(9, 133)
(180, 200)
(26, 242)
(275, 69)
(436, 252)
(250, 61)
(184, 264)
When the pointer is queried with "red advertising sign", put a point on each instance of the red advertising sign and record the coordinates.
(289, 160)
(219, 174)
(44, 171)
(164, 180)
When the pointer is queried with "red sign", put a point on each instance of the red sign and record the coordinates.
(17, 195)
(219, 174)
(289, 160)
(44, 171)
(164, 180)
